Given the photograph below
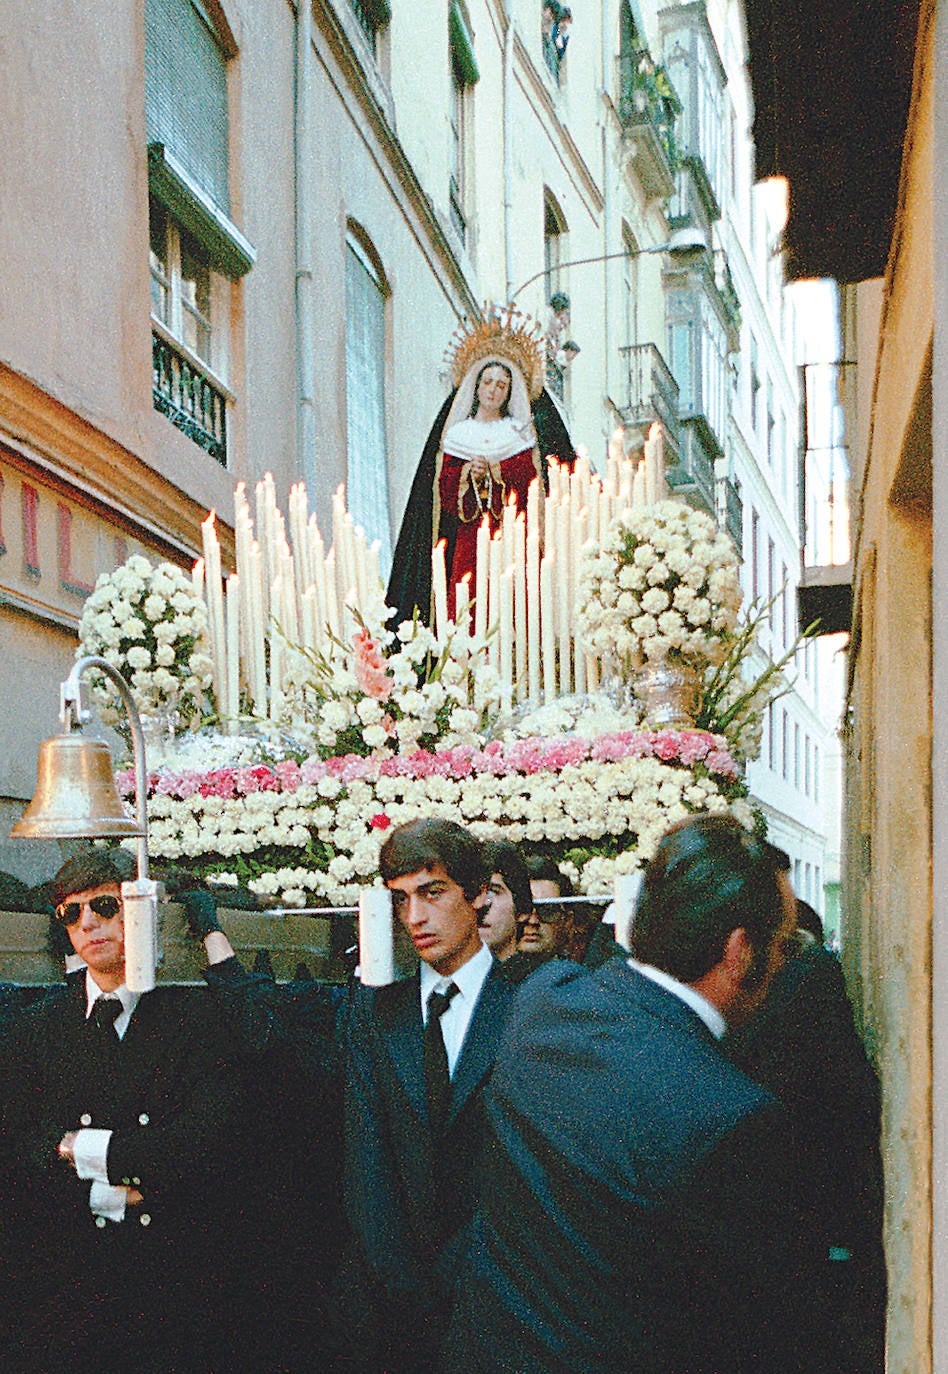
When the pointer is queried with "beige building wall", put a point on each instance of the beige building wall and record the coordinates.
(888, 892)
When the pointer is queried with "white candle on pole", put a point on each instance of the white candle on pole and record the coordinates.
(547, 627)
(493, 599)
(215, 607)
(520, 627)
(462, 610)
(533, 614)
(258, 635)
(376, 937)
(197, 578)
(233, 651)
(533, 506)
(506, 636)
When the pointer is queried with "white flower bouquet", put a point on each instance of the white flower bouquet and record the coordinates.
(390, 693)
(663, 585)
(150, 624)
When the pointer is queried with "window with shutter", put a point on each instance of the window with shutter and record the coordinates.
(367, 451)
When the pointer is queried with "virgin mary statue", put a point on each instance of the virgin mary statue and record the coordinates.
(493, 436)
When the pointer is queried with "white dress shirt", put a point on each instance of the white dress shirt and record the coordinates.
(469, 979)
(91, 1146)
(708, 1012)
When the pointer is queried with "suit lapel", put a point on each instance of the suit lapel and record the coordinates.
(481, 1041)
(399, 1018)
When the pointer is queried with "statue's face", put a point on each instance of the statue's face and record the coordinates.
(493, 389)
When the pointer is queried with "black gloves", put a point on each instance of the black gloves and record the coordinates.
(200, 912)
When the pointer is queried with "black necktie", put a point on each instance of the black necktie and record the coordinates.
(105, 1013)
(437, 1077)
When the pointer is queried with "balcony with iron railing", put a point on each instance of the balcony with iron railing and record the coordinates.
(652, 392)
(648, 108)
(692, 477)
(183, 390)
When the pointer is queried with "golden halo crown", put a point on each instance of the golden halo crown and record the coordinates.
(501, 332)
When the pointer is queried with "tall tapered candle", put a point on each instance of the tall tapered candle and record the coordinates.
(258, 634)
(197, 577)
(439, 588)
(481, 574)
(332, 599)
(493, 599)
(462, 609)
(533, 506)
(547, 627)
(533, 614)
(520, 628)
(506, 636)
(233, 651)
(215, 606)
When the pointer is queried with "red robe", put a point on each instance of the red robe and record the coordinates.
(460, 500)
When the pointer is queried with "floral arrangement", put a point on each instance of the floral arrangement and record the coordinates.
(390, 692)
(150, 624)
(310, 833)
(662, 585)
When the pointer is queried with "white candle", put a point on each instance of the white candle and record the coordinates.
(547, 627)
(233, 651)
(462, 610)
(257, 635)
(506, 636)
(376, 937)
(197, 578)
(439, 587)
(533, 614)
(520, 608)
(493, 599)
(332, 600)
(215, 608)
(482, 566)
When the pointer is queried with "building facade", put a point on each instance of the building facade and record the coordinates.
(237, 236)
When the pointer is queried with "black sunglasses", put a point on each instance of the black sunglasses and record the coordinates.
(105, 907)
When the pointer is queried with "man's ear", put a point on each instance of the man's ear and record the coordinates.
(738, 957)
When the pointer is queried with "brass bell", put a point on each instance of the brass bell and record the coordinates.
(76, 796)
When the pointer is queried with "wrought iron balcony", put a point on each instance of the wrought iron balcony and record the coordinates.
(692, 477)
(648, 108)
(192, 402)
(652, 390)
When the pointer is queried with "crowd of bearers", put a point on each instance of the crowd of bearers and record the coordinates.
(545, 1161)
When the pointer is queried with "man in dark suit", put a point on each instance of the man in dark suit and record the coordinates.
(634, 1211)
(417, 1055)
(117, 1114)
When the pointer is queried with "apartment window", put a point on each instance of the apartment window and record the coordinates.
(554, 245)
(785, 746)
(367, 449)
(806, 766)
(771, 572)
(771, 739)
(630, 290)
(195, 251)
(784, 607)
(464, 74)
(797, 875)
(796, 757)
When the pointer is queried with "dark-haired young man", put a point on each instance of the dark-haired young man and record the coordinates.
(117, 1118)
(417, 1056)
(634, 1211)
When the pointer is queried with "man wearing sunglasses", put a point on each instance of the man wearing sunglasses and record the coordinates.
(117, 1114)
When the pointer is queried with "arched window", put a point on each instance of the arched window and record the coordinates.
(367, 449)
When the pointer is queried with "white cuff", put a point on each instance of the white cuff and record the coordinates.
(106, 1201)
(90, 1153)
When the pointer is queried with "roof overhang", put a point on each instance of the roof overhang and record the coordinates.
(832, 84)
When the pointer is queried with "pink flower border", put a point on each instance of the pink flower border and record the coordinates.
(683, 748)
